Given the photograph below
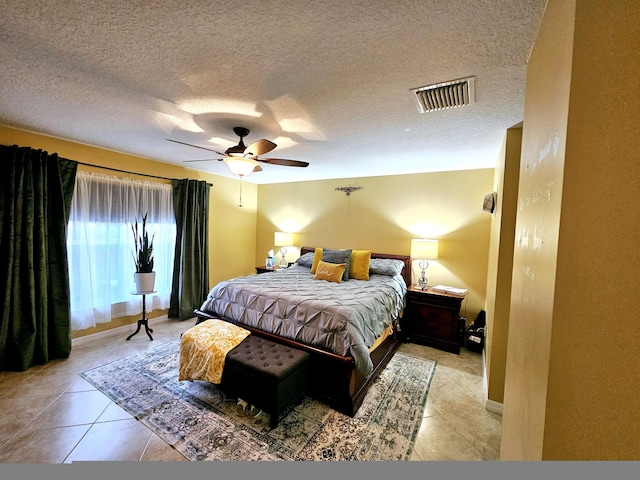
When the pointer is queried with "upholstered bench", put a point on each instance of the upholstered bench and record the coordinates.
(266, 374)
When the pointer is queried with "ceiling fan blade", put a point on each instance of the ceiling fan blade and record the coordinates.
(259, 147)
(284, 162)
(257, 168)
(202, 160)
(195, 146)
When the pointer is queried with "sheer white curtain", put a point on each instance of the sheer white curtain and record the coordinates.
(100, 246)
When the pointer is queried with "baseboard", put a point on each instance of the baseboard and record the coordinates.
(489, 405)
(492, 406)
(122, 330)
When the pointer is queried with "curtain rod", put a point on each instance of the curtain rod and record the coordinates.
(132, 173)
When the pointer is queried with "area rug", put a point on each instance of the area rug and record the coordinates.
(200, 422)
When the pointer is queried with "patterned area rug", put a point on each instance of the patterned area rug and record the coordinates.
(199, 421)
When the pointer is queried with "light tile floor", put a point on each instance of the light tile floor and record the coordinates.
(50, 415)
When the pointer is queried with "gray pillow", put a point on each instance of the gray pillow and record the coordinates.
(338, 256)
(306, 260)
(386, 266)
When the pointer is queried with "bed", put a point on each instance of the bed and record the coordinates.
(350, 326)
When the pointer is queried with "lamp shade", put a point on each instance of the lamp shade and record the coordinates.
(241, 166)
(282, 239)
(424, 249)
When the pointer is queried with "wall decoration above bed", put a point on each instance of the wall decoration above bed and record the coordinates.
(348, 190)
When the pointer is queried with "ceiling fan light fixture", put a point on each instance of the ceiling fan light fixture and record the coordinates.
(240, 166)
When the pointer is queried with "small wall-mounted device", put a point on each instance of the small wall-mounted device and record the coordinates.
(489, 203)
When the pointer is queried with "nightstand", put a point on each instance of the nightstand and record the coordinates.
(432, 318)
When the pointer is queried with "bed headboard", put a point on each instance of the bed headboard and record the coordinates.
(406, 272)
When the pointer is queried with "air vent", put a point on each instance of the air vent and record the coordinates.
(455, 93)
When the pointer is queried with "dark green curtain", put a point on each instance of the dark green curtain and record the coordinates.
(34, 212)
(190, 284)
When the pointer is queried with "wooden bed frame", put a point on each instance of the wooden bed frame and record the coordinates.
(334, 378)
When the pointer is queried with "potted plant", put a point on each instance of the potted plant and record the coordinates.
(144, 277)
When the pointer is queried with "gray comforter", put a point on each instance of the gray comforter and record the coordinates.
(345, 318)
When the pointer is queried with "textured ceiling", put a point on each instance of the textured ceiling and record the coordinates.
(328, 81)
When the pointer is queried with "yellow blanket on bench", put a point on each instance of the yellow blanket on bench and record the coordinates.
(204, 347)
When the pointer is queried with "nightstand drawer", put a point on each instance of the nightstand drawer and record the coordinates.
(434, 300)
(429, 314)
(436, 330)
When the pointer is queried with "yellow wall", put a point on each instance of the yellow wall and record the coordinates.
(572, 382)
(384, 216)
(538, 218)
(498, 303)
(232, 230)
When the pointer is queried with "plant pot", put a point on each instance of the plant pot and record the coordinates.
(144, 281)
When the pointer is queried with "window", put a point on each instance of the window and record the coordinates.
(100, 246)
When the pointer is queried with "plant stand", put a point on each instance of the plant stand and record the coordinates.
(143, 320)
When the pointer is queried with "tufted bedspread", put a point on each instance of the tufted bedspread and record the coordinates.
(344, 318)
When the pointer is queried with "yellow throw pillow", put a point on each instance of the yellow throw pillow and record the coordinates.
(317, 256)
(332, 272)
(359, 266)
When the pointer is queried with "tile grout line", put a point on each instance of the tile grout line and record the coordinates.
(33, 419)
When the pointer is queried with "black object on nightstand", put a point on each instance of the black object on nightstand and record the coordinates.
(433, 319)
(264, 269)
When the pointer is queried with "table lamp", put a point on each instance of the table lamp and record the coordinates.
(283, 240)
(424, 249)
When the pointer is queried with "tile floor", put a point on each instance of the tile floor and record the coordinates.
(50, 415)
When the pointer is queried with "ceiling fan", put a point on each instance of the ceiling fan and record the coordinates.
(243, 160)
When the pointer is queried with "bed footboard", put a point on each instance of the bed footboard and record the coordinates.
(334, 378)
